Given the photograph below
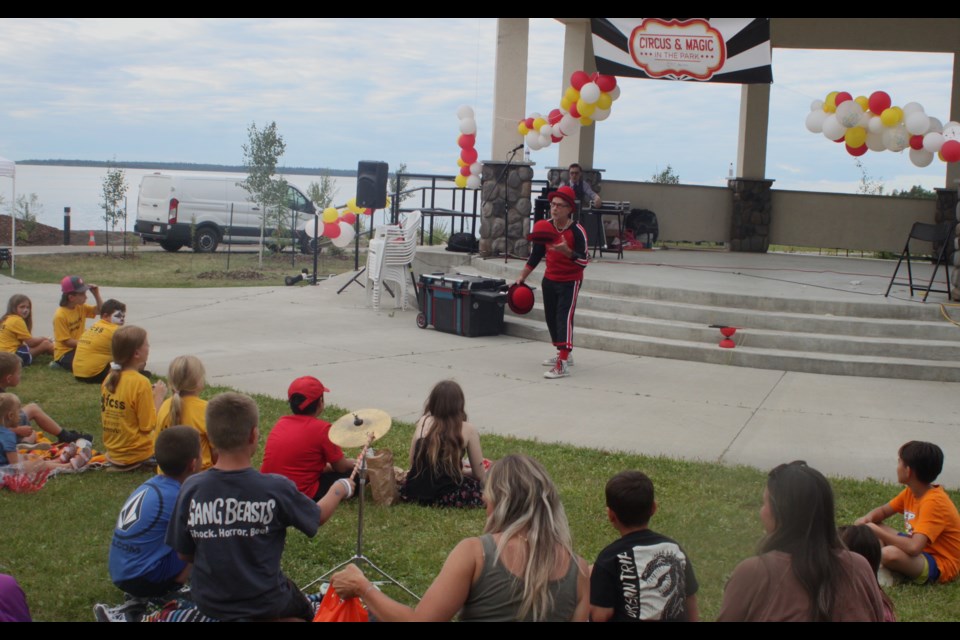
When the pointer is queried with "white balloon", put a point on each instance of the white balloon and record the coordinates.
(896, 138)
(920, 158)
(875, 125)
(936, 125)
(464, 112)
(933, 141)
(600, 114)
(309, 228)
(911, 107)
(346, 236)
(952, 131)
(590, 93)
(614, 93)
(569, 124)
(816, 105)
(546, 130)
(832, 129)
(918, 123)
(473, 182)
(815, 121)
(875, 142)
(476, 168)
(468, 126)
(848, 113)
(545, 141)
(536, 115)
(865, 120)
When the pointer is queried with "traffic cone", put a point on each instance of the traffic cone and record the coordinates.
(91, 242)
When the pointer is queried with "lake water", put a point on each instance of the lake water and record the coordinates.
(80, 189)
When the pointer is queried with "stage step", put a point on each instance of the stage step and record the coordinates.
(873, 339)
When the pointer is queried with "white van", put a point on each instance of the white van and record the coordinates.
(184, 210)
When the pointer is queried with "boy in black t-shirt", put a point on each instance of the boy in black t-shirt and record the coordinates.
(643, 575)
(231, 523)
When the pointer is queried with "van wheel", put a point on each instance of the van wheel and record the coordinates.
(170, 245)
(205, 240)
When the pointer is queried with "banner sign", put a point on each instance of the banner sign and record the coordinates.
(733, 50)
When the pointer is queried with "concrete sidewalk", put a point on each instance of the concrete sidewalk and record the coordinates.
(258, 339)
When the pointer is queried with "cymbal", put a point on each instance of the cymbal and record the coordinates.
(353, 429)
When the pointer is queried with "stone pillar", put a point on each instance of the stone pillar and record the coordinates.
(515, 191)
(752, 208)
(510, 84)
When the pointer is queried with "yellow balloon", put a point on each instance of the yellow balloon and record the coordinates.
(461, 163)
(461, 181)
(586, 121)
(572, 94)
(352, 206)
(565, 103)
(538, 123)
(604, 101)
(830, 104)
(890, 117)
(855, 137)
(863, 101)
(387, 205)
(585, 109)
(330, 214)
(522, 128)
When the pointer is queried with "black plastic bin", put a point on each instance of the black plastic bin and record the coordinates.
(465, 305)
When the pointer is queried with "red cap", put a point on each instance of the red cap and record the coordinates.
(308, 387)
(565, 193)
(73, 284)
(520, 298)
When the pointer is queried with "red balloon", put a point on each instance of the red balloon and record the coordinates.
(916, 142)
(555, 116)
(465, 171)
(578, 79)
(950, 151)
(842, 97)
(331, 230)
(574, 111)
(368, 212)
(529, 123)
(556, 138)
(467, 140)
(606, 83)
(856, 152)
(879, 102)
(349, 217)
(469, 156)
(841, 139)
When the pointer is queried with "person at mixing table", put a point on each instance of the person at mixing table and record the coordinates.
(585, 193)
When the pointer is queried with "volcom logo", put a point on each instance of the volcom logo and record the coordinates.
(130, 513)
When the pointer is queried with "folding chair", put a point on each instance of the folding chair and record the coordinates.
(941, 235)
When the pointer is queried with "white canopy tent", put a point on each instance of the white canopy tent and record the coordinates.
(8, 169)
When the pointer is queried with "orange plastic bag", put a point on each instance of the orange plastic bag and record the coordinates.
(333, 609)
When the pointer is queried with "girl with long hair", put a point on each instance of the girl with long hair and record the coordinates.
(522, 569)
(16, 328)
(442, 436)
(187, 379)
(803, 572)
(128, 403)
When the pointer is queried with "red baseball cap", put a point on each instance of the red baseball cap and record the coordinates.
(308, 387)
(73, 284)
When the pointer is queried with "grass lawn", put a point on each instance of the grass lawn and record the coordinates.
(182, 269)
(56, 541)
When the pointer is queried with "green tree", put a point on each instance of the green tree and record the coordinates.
(323, 192)
(916, 191)
(114, 188)
(667, 176)
(868, 186)
(25, 212)
(261, 154)
(399, 183)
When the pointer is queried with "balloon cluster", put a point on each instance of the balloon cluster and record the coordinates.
(875, 124)
(339, 224)
(470, 167)
(588, 99)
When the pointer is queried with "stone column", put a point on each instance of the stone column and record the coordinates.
(752, 208)
(514, 190)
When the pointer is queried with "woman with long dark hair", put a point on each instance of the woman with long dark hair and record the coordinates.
(522, 569)
(803, 572)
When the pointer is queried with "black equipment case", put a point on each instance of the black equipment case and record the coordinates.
(465, 305)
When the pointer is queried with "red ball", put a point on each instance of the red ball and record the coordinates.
(842, 97)
(349, 217)
(331, 230)
(467, 140)
(469, 156)
(578, 79)
(555, 116)
(606, 83)
(950, 151)
(879, 101)
(856, 151)
(916, 142)
(574, 111)
(465, 171)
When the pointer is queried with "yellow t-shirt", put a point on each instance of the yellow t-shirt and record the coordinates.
(68, 325)
(13, 333)
(193, 414)
(129, 419)
(94, 351)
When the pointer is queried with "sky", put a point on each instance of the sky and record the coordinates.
(348, 89)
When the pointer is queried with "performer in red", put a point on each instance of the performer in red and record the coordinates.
(566, 260)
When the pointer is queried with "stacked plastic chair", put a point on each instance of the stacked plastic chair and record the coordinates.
(389, 258)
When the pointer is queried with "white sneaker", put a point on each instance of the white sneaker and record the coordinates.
(552, 362)
(559, 370)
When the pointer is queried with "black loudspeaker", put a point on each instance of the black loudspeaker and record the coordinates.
(372, 184)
